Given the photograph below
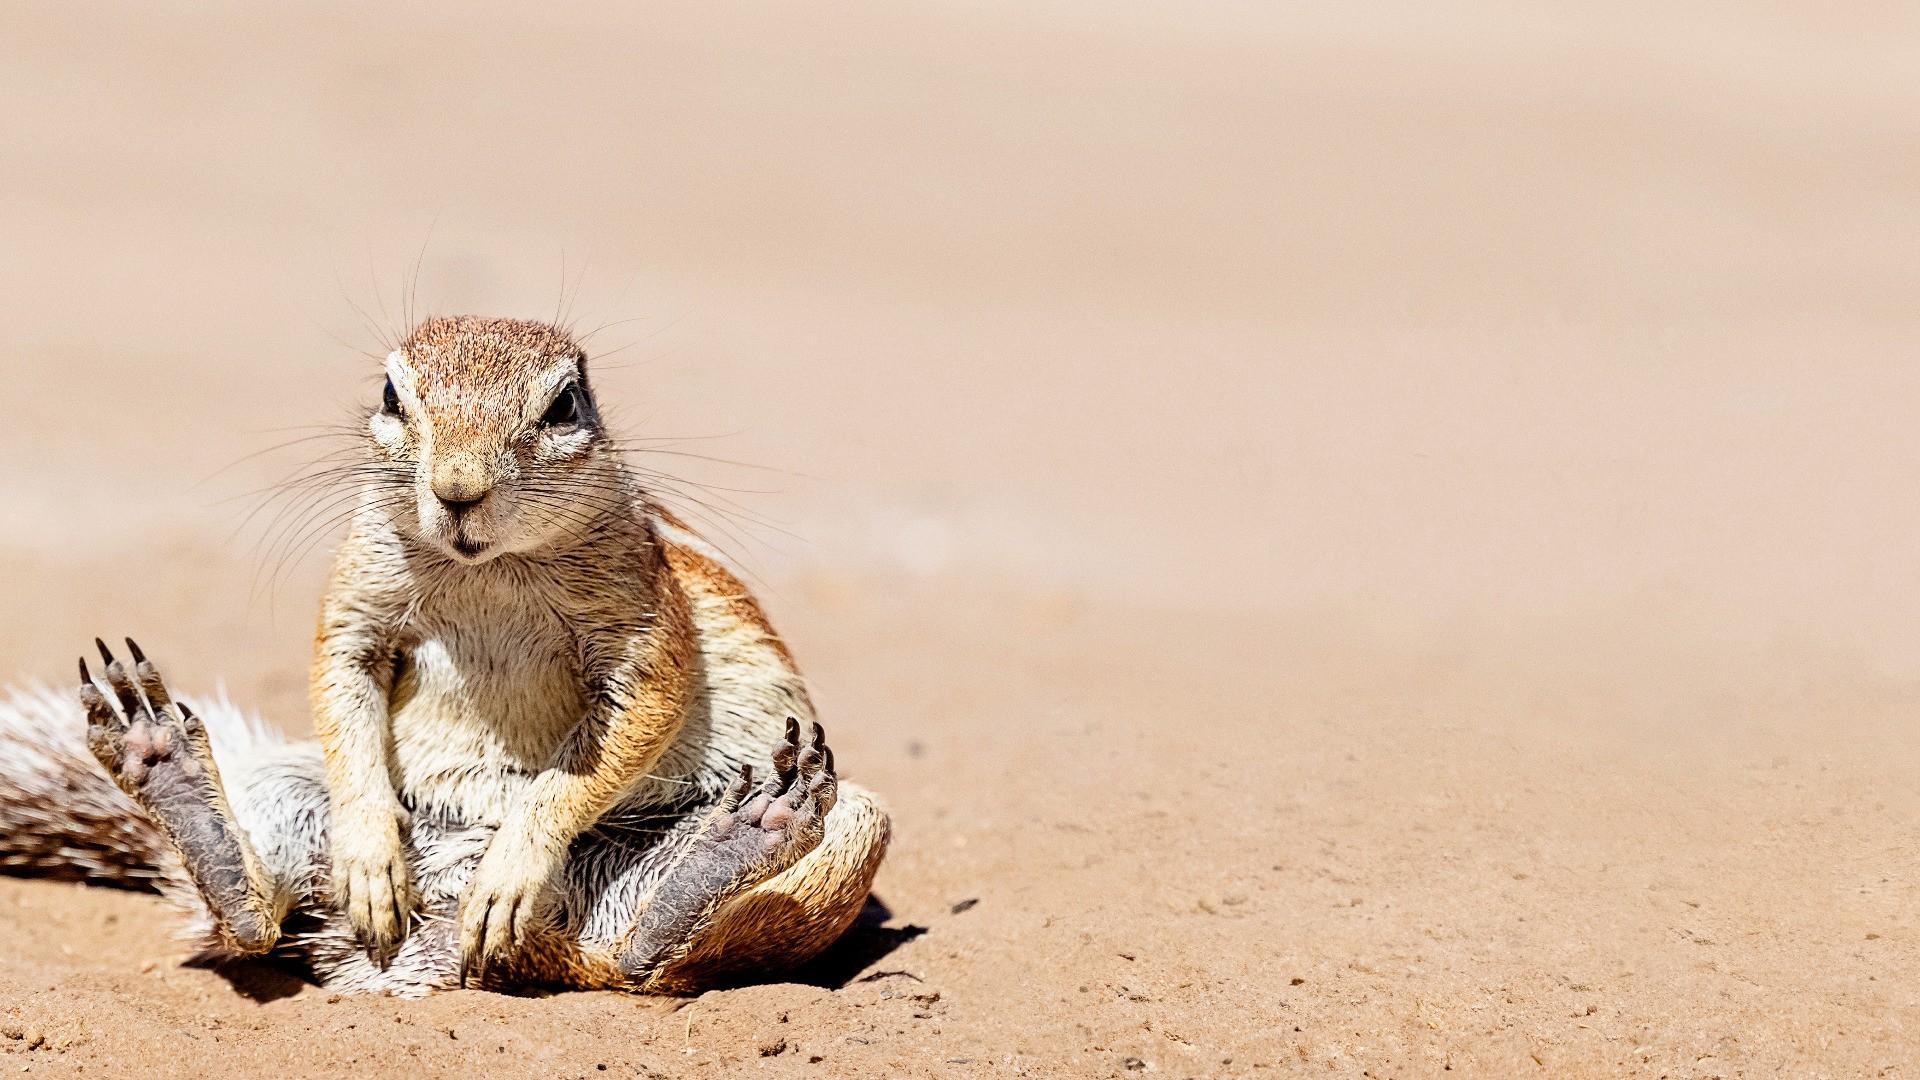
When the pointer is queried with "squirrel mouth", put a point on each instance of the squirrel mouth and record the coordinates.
(468, 548)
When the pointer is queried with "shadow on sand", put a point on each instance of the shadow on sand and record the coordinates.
(868, 941)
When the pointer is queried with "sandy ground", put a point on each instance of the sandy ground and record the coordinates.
(1355, 541)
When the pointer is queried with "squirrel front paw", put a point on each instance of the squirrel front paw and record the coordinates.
(371, 883)
(498, 912)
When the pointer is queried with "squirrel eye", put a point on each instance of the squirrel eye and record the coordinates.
(565, 408)
(389, 400)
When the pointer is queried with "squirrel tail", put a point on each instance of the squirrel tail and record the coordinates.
(60, 815)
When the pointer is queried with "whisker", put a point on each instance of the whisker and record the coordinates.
(320, 531)
(411, 307)
(632, 449)
(295, 544)
(616, 499)
(296, 494)
(293, 520)
(317, 433)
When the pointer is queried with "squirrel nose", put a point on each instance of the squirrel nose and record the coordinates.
(457, 507)
(459, 497)
(460, 481)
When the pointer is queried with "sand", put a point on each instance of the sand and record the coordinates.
(1355, 543)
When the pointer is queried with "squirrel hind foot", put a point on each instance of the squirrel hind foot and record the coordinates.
(156, 750)
(755, 833)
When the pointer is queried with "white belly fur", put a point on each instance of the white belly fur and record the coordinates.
(486, 697)
(478, 712)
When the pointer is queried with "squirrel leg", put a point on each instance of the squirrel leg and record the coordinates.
(156, 750)
(750, 837)
(792, 917)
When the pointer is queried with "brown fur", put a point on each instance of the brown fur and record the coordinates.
(698, 570)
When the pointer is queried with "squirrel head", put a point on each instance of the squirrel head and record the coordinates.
(493, 424)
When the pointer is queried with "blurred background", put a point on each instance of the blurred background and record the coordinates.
(1384, 397)
(1505, 311)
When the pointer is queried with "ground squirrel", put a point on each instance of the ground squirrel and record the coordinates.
(559, 744)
